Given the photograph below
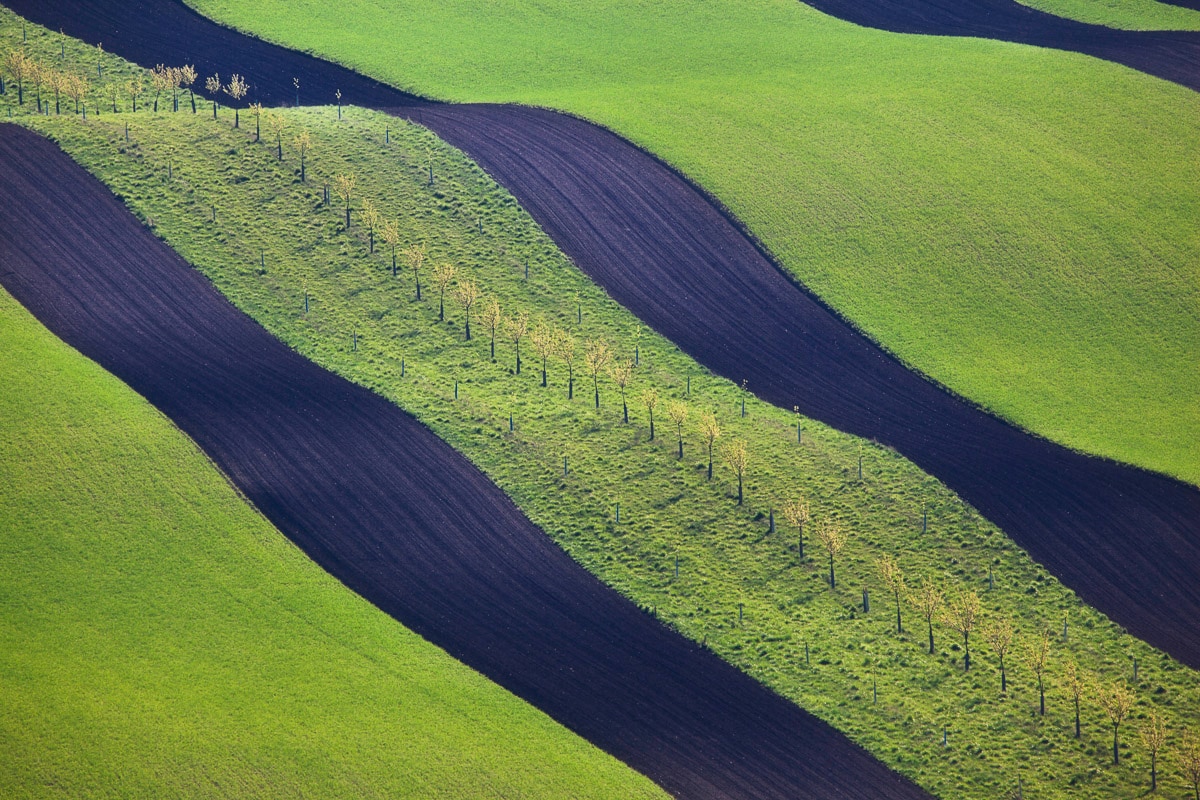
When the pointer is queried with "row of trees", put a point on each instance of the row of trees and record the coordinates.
(24, 71)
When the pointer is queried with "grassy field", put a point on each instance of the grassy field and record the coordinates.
(1015, 222)
(158, 638)
(740, 588)
(1134, 15)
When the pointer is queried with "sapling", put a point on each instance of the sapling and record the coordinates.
(516, 327)
(1154, 736)
(542, 339)
(276, 123)
(927, 600)
(343, 186)
(372, 220)
(796, 512)
(391, 237)
(443, 274)
(597, 354)
(621, 373)
(1037, 653)
(491, 317)
(467, 292)
(893, 578)
(415, 254)
(236, 89)
(302, 143)
(711, 431)
(833, 539)
(1075, 685)
(737, 457)
(212, 84)
(1117, 701)
(677, 412)
(962, 615)
(187, 79)
(999, 636)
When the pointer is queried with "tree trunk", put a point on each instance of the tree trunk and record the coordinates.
(800, 539)
(347, 215)
(652, 424)
(237, 119)
(930, 621)
(1116, 752)
(832, 579)
(257, 130)
(418, 277)
(596, 389)
(1041, 698)
(1003, 677)
(900, 627)
(442, 306)
(740, 490)
(493, 344)
(393, 249)
(967, 652)
(302, 180)
(624, 410)
(680, 434)
(371, 238)
(279, 145)
(1076, 717)
(570, 384)
(710, 461)
(1154, 772)
(214, 108)
(518, 344)
(544, 371)
(468, 315)
(192, 95)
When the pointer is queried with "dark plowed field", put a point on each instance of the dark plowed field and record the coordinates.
(1127, 541)
(395, 513)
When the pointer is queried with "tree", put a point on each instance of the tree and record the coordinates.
(467, 292)
(1036, 655)
(796, 513)
(442, 275)
(1189, 761)
(516, 327)
(112, 92)
(256, 110)
(621, 373)
(737, 457)
(650, 399)
(833, 539)
(17, 65)
(893, 578)
(37, 76)
(999, 636)
(160, 81)
(174, 79)
(187, 79)
(596, 356)
(1116, 700)
(415, 254)
(343, 186)
(236, 89)
(564, 347)
(212, 84)
(1075, 686)
(928, 600)
(372, 219)
(491, 319)
(543, 344)
(77, 88)
(677, 412)
(1154, 736)
(302, 143)
(961, 615)
(57, 83)
(275, 124)
(711, 432)
(391, 237)
(134, 89)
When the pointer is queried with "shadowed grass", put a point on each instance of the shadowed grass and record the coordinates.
(1134, 15)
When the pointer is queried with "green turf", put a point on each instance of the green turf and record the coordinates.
(1017, 223)
(159, 638)
(1135, 15)
(669, 510)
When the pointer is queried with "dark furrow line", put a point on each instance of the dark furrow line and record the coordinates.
(1126, 540)
(398, 515)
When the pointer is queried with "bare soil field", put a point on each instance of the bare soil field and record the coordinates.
(1126, 540)
(395, 513)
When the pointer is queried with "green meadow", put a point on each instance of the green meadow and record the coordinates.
(1016, 223)
(1134, 15)
(684, 548)
(159, 638)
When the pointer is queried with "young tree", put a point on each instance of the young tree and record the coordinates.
(796, 513)
(1037, 654)
(415, 254)
(928, 600)
(160, 81)
(1117, 701)
(711, 431)
(596, 356)
(564, 347)
(621, 373)
(302, 143)
(442, 275)
(516, 327)
(212, 84)
(650, 399)
(391, 237)
(1075, 685)
(833, 539)
(893, 578)
(37, 76)
(112, 92)
(134, 89)
(491, 319)
(372, 220)
(961, 615)
(174, 80)
(542, 339)
(77, 88)
(57, 83)
(256, 110)
(737, 456)
(677, 412)
(17, 65)
(999, 636)
(1189, 761)
(466, 292)
(1154, 736)
(187, 79)
(275, 124)
(343, 186)
(236, 89)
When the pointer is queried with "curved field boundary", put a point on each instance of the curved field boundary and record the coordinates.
(1173, 55)
(395, 513)
(1126, 540)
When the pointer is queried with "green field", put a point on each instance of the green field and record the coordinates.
(1017, 223)
(1134, 15)
(725, 553)
(159, 638)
